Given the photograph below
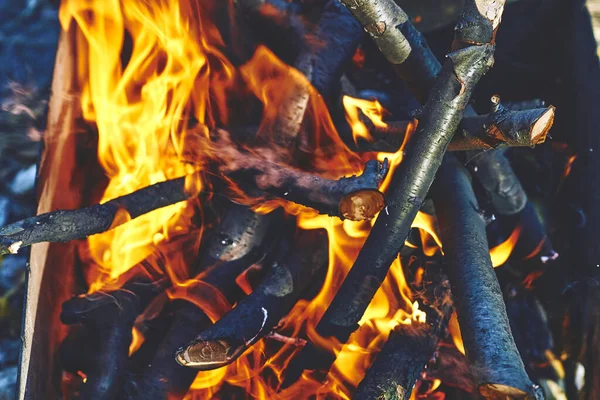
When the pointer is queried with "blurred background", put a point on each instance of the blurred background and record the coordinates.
(28, 36)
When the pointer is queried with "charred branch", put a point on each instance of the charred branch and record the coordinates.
(409, 347)
(107, 319)
(407, 50)
(408, 188)
(256, 316)
(324, 53)
(501, 185)
(480, 132)
(241, 239)
(65, 225)
(355, 198)
(488, 341)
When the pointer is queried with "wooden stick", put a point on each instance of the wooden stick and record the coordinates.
(107, 319)
(240, 239)
(355, 198)
(400, 362)
(254, 317)
(481, 132)
(488, 341)
(409, 185)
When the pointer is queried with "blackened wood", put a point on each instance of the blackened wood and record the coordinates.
(401, 44)
(240, 239)
(480, 132)
(337, 36)
(256, 316)
(408, 188)
(355, 198)
(400, 362)
(65, 225)
(534, 240)
(107, 319)
(501, 185)
(488, 341)
(407, 50)
(529, 326)
(324, 52)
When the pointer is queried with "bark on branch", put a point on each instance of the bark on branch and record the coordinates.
(409, 347)
(489, 344)
(409, 185)
(254, 317)
(481, 132)
(412, 59)
(355, 198)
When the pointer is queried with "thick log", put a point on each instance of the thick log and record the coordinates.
(489, 344)
(481, 132)
(400, 362)
(355, 198)
(408, 188)
(107, 319)
(256, 316)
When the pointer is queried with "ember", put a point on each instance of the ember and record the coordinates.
(297, 199)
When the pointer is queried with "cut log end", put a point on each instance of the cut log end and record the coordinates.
(362, 205)
(496, 391)
(208, 355)
(541, 127)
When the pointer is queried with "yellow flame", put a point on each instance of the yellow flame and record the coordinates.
(500, 253)
(141, 98)
(372, 109)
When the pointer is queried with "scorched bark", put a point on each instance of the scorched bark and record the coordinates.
(256, 316)
(355, 198)
(409, 185)
(480, 132)
(488, 341)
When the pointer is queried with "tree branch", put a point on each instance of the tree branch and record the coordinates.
(488, 341)
(409, 185)
(355, 198)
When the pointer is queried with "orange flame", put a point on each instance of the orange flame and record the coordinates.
(370, 108)
(501, 253)
(142, 99)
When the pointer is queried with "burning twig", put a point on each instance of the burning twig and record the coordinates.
(409, 185)
(480, 132)
(255, 317)
(489, 344)
(241, 239)
(409, 347)
(107, 319)
(355, 198)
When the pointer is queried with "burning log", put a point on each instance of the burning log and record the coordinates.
(107, 320)
(321, 62)
(355, 198)
(481, 132)
(409, 347)
(412, 180)
(241, 239)
(253, 318)
(488, 341)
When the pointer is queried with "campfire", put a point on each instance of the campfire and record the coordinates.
(282, 200)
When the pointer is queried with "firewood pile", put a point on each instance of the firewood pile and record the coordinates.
(368, 199)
